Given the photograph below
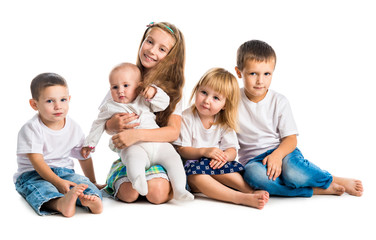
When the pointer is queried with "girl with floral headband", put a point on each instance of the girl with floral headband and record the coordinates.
(161, 58)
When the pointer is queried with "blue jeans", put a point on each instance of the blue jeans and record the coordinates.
(38, 191)
(297, 179)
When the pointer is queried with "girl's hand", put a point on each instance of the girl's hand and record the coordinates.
(216, 164)
(120, 122)
(100, 186)
(215, 153)
(125, 138)
(64, 186)
(85, 151)
(274, 166)
(149, 93)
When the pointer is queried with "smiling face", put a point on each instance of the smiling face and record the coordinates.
(155, 47)
(257, 77)
(208, 102)
(124, 84)
(53, 106)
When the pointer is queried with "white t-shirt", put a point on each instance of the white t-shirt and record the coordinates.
(57, 146)
(194, 134)
(262, 125)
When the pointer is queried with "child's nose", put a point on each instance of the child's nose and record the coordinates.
(57, 105)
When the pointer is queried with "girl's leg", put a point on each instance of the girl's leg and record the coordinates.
(171, 161)
(127, 193)
(216, 190)
(236, 181)
(159, 191)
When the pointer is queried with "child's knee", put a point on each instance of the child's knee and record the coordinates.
(255, 175)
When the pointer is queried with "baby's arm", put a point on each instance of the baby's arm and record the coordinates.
(159, 100)
(47, 174)
(274, 160)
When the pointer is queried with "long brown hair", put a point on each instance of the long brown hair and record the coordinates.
(168, 74)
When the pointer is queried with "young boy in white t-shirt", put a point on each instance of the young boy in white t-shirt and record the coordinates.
(46, 143)
(267, 135)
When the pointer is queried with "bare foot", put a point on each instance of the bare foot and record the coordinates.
(67, 204)
(265, 193)
(256, 200)
(94, 203)
(352, 186)
(333, 189)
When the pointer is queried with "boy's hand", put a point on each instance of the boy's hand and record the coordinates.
(274, 166)
(149, 93)
(64, 186)
(85, 151)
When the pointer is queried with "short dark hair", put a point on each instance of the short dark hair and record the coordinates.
(255, 50)
(43, 81)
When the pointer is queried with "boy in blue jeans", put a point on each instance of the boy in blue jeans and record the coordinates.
(267, 135)
(46, 143)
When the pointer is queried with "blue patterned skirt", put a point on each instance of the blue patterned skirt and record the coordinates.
(202, 167)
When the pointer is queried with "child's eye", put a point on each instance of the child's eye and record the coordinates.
(63, 100)
(163, 49)
(252, 74)
(49, 101)
(126, 85)
(115, 87)
(267, 74)
(204, 92)
(216, 98)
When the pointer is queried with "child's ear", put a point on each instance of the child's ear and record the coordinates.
(238, 72)
(33, 104)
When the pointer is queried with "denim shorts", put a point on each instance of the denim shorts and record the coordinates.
(38, 191)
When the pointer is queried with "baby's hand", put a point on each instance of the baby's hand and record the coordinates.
(149, 93)
(85, 151)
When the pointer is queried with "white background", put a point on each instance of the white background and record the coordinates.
(326, 60)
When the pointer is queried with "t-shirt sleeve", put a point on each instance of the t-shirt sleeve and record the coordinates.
(30, 139)
(286, 123)
(185, 136)
(76, 150)
(229, 140)
(179, 108)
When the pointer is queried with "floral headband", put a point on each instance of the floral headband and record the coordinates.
(153, 23)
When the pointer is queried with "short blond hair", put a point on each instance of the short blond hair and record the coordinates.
(225, 83)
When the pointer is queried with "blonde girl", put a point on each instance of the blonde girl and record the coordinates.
(161, 58)
(208, 141)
